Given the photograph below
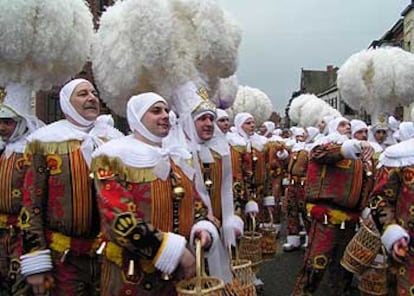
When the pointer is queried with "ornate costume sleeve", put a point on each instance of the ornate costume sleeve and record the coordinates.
(32, 215)
(326, 154)
(123, 224)
(384, 202)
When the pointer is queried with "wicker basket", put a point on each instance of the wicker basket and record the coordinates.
(250, 247)
(243, 277)
(268, 241)
(201, 285)
(362, 249)
(373, 281)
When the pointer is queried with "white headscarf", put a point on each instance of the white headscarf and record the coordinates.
(221, 114)
(136, 153)
(67, 107)
(136, 108)
(406, 130)
(239, 136)
(270, 127)
(357, 125)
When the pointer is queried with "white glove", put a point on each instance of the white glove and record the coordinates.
(351, 149)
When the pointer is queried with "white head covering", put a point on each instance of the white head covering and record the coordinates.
(138, 154)
(406, 130)
(238, 122)
(312, 133)
(334, 123)
(357, 125)
(298, 131)
(221, 114)
(17, 106)
(67, 107)
(270, 127)
(334, 136)
(136, 108)
(393, 123)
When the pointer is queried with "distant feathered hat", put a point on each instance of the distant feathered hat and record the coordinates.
(191, 99)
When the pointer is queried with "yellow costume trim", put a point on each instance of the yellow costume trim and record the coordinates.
(6, 173)
(117, 167)
(59, 242)
(113, 253)
(334, 216)
(52, 147)
(240, 149)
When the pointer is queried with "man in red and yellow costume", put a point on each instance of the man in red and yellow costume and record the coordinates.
(15, 126)
(213, 175)
(392, 208)
(337, 186)
(148, 206)
(59, 218)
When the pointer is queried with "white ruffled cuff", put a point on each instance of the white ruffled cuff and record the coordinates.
(365, 213)
(170, 253)
(207, 226)
(391, 234)
(237, 224)
(269, 201)
(351, 149)
(282, 155)
(36, 262)
(251, 207)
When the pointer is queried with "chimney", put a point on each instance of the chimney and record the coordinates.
(330, 68)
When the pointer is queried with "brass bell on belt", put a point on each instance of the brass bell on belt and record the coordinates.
(178, 192)
(208, 183)
(369, 174)
(342, 225)
(255, 158)
(131, 268)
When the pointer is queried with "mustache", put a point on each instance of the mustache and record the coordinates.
(90, 105)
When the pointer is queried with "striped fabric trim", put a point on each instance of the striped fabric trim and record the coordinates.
(81, 193)
(6, 179)
(161, 208)
(236, 163)
(260, 169)
(162, 204)
(216, 177)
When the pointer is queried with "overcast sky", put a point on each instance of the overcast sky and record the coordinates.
(282, 36)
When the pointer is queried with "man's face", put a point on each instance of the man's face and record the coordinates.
(205, 126)
(262, 130)
(156, 119)
(380, 136)
(7, 127)
(85, 101)
(224, 124)
(344, 128)
(248, 126)
(361, 134)
(300, 138)
(321, 126)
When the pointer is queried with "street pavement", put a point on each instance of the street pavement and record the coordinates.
(279, 274)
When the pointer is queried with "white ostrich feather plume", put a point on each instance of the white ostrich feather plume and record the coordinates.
(132, 42)
(308, 109)
(43, 42)
(217, 37)
(253, 101)
(226, 93)
(295, 107)
(314, 110)
(377, 80)
(157, 45)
